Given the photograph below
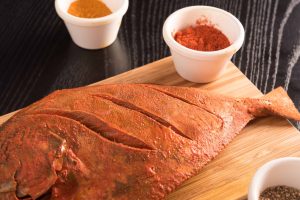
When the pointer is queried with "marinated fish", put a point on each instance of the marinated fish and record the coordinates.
(122, 141)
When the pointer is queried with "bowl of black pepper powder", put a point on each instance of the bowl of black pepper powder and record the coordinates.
(277, 180)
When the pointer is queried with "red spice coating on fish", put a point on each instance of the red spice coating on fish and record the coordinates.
(128, 141)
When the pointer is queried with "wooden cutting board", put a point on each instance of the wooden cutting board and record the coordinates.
(229, 175)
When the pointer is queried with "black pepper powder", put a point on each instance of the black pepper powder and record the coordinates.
(280, 193)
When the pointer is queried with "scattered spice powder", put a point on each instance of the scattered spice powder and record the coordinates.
(280, 193)
(89, 9)
(202, 37)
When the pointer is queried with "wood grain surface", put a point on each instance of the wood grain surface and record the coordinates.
(229, 175)
(37, 55)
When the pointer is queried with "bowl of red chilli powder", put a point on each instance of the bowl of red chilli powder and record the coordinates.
(202, 41)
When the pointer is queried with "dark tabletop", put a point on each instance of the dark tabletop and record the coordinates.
(37, 55)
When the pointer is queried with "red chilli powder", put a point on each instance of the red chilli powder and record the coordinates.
(202, 37)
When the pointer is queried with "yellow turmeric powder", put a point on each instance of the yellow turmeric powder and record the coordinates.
(89, 9)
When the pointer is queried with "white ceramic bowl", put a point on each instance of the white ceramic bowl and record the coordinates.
(282, 171)
(93, 33)
(200, 66)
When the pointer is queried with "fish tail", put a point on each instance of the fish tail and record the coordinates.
(277, 102)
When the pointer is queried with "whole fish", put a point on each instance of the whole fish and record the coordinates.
(122, 141)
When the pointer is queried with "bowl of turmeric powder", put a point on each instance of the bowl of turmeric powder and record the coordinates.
(92, 24)
(202, 41)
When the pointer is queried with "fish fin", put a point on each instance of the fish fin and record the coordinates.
(277, 102)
